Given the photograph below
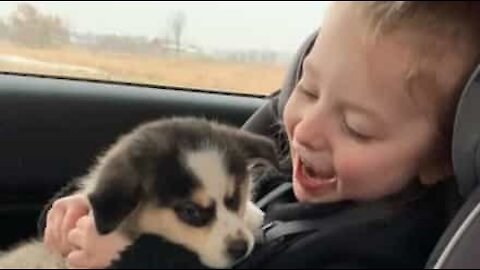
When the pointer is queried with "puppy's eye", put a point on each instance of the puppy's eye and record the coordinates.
(232, 203)
(193, 214)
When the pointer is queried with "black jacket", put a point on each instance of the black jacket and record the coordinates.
(396, 232)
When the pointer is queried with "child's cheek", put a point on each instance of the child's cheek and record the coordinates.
(366, 176)
(351, 173)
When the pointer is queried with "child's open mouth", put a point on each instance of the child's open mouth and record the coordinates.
(312, 180)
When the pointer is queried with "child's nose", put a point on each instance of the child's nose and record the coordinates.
(313, 132)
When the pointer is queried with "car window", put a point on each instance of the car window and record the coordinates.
(241, 47)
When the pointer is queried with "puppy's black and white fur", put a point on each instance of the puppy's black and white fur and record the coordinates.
(184, 180)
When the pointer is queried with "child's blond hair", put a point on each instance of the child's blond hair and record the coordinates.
(430, 23)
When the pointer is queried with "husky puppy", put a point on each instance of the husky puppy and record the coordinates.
(185, 180)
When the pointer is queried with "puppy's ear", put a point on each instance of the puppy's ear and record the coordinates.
(116, 193)
(258, 148)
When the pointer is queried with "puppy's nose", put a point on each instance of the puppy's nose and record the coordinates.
(237, 249)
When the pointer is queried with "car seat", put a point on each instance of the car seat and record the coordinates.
(459, 247)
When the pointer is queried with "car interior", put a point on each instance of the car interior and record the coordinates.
(52, 128)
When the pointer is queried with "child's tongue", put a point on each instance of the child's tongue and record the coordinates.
(316, 174)
(309, 172)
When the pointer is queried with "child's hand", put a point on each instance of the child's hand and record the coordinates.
(93, 250)
(61, 218)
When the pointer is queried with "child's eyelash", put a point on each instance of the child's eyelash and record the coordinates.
(306, 92)
(354, 133)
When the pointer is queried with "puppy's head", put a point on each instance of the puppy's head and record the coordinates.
(183, 179)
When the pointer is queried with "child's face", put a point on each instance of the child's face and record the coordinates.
(354, 130)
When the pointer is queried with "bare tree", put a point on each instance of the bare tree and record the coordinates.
(29, 27)
(177, 25)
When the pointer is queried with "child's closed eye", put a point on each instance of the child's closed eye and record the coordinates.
(306, 92)
(355, 132)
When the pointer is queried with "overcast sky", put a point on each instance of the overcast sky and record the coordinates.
(270, 25)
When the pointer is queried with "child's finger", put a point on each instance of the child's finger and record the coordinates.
(70, 220)
(82, 224)
(48, 239)
(87, 224)
(58, 211)
(77, 237)
(78, 259)
(54, 219)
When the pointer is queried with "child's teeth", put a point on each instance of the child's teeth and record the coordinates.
(308, 171)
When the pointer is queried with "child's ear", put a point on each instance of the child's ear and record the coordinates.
(433, 173)
(116, 193)
(437, 166)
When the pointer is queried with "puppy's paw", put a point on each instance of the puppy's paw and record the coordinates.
(253, 217)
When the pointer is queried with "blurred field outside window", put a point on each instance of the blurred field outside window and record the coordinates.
(240, 47)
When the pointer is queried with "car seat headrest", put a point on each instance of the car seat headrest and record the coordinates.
(466, 136)
(294, 72)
